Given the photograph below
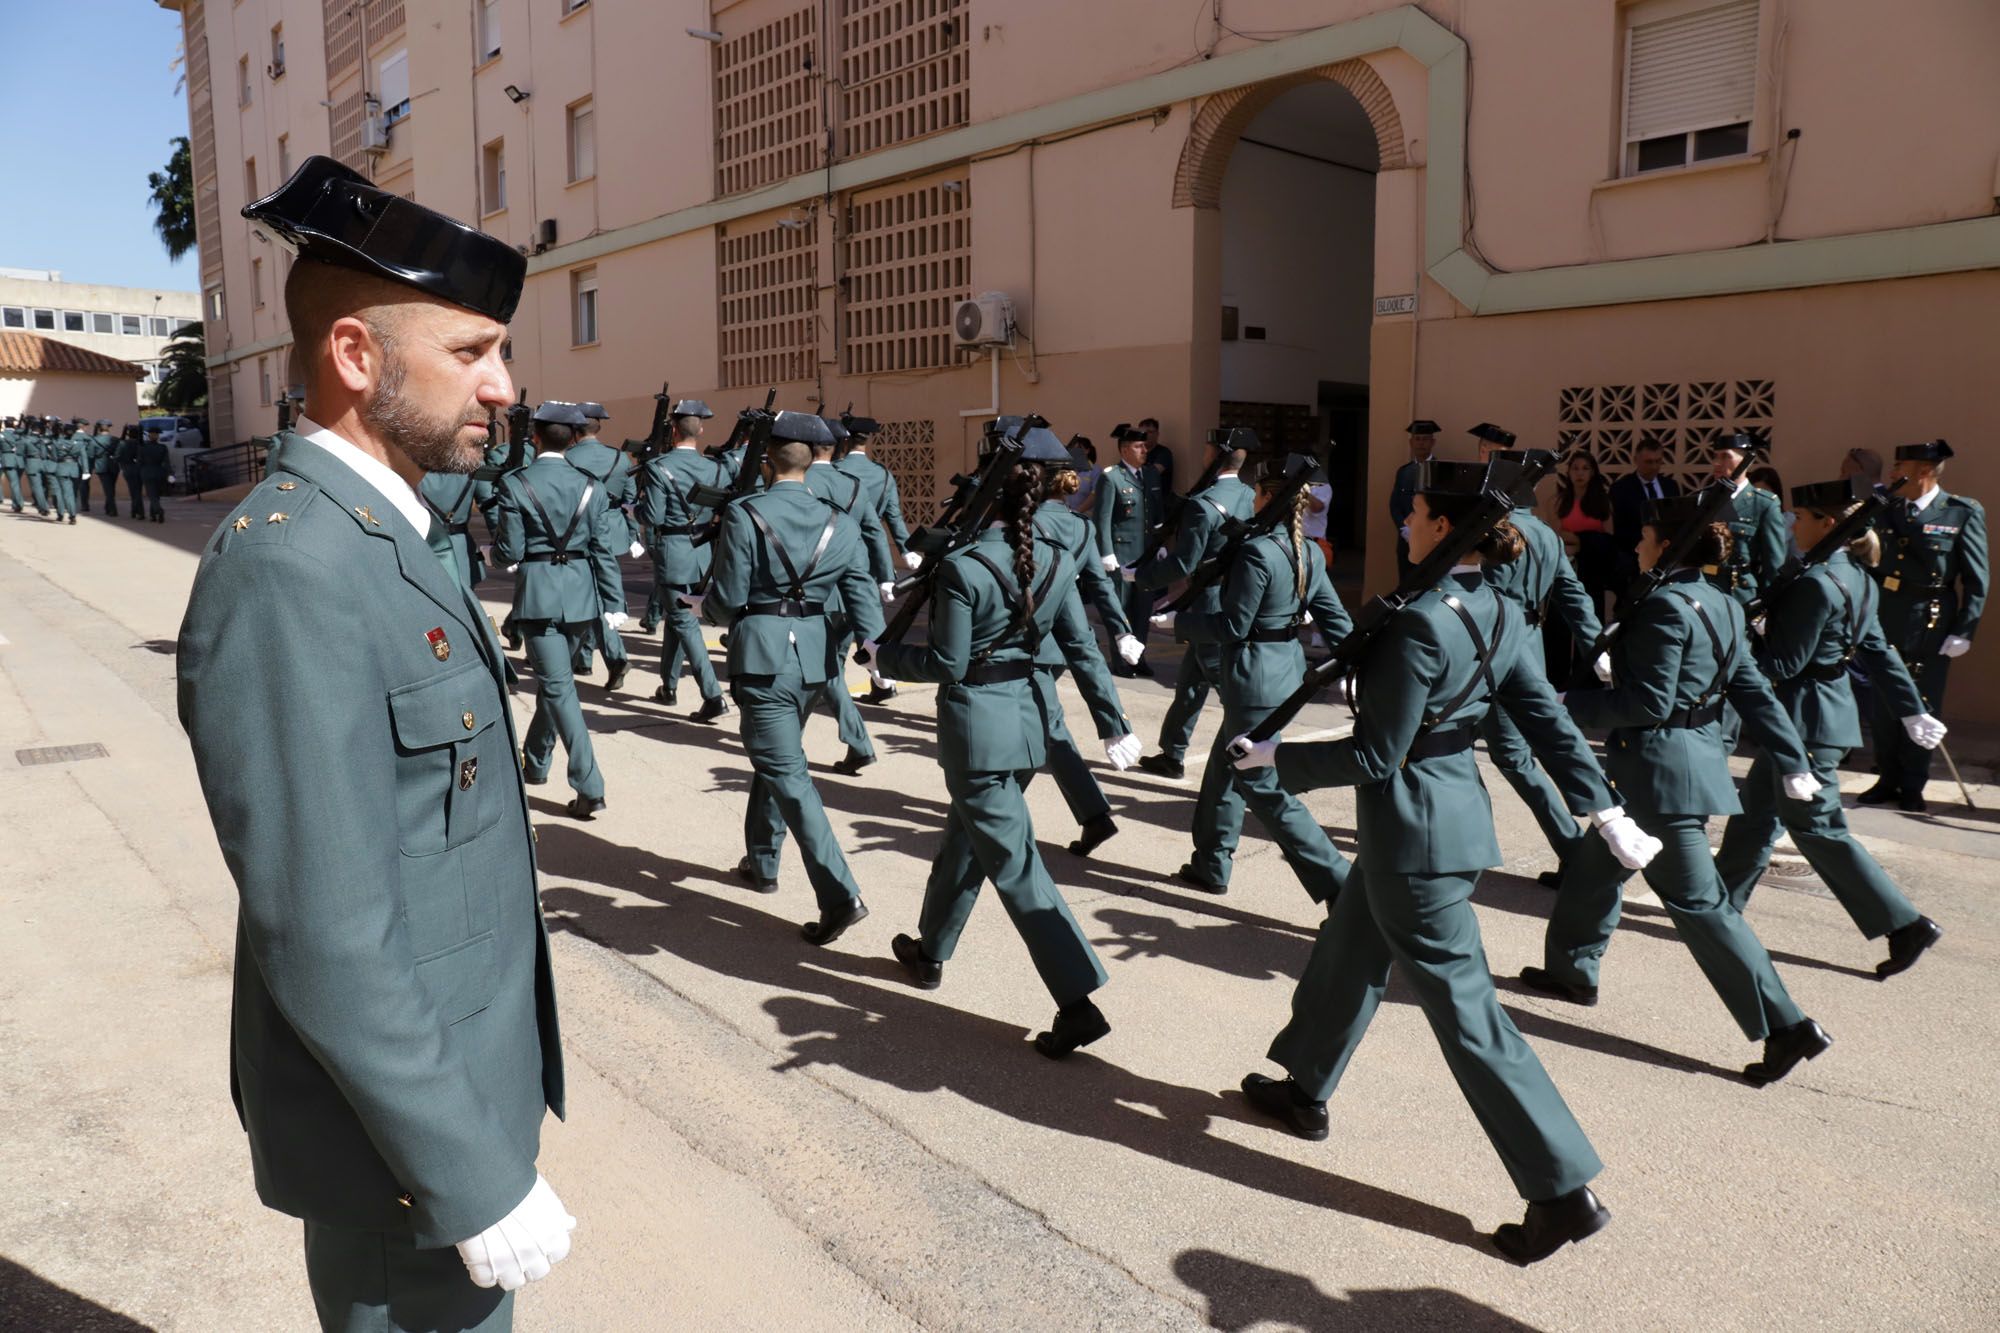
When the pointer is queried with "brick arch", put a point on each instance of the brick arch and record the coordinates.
(1223, 118)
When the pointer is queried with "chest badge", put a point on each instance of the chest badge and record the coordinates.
(440, 645)
(363, 511)
(468, 773)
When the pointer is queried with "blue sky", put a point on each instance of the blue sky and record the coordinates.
(75, 174)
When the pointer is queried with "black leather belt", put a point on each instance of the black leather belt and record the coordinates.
(1283, 634)
(994, 673)
(552, 557)
(682, 530)
(1437, 744)
(1687, 719)
(789, 609)
(1826, 671)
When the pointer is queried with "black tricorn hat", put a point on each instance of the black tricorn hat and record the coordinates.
(1742, 441)
(1125, 430)
(692, 407)
(859, 425)
(1235, 437)
(801, 428)
(595, 411)
(1422, 426)
(1277, 469)
(331, 213)
(1039, 444)
(1670, 513)
(1829, 497)
(1493, 434)
(834, 428)
(1930, 451)
(1435, 476)
(555, 412)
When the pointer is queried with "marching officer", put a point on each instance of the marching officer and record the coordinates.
(557, 525)
(1202, 534)
(1933, 580)
(681, 427)
(878, 484)
(393, 1036)
(104, 460)
(86, 462)
(35, 455)
(452, 498)
(67, 461)
(154, 462)
(679, 566)
(1818, 625)
(128, 467)
(1423, 433)
(612, 471)
(1125, 509)
(781, 557)
(1759, 543)
(11, 461)
(843, 491)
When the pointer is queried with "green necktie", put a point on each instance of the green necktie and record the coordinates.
(438, 538)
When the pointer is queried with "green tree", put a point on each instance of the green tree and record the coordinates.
(183, 385)
(173, 200)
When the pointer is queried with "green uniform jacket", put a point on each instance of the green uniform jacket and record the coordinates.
(998, 727)
(10, 449)
(1761, 548)
(394, 1024)
(1072, 646)
(748, 572)
(1822, 620)
(1663, 662)
(587, 582)
(1932, 562)
(1433, 816)
(35, 453)
(612, 472)
(1057, 522)
(454, 499)
(1125, 509)
(665, 484)
(844, 491)
(153, 460)
(72, 456)
(1542, 583)
(1202, 535)
(104, 454)
(879, 483)
(1261, 594)
(128, 453)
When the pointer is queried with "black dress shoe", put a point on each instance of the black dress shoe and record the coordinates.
(879, 694)
(1907, 944)
(1915, 805)
(834, 923)
(1550, 879)
(1161, 766)
(925, 973)
(1551, 1225)
(663, 695)
(1281, 1099)
(1094, 834)
(583, 807)
(1190, 876)
(1785, 1048)
(747, 872)
(1118, 668)
(1143, 668)
(852, 765)
(1883, 792)
(710, 710)
(648, 626)
(617, 676)
(1534, 978)
(1078, 1023)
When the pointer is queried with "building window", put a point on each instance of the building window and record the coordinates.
(284, 157)
(215, 304)
(160, 326)
(493, 177)
(582, 140)
(72, 321)
(278, 51)
(489, 29)
(571, 6)
(101, 323)
(132, 326)
(264, 381)
(257, 282)
(583, 306)
(45, 319)
(16, 317)
(1690, 82)
(392, 85)
(250, 178)
(243, 81)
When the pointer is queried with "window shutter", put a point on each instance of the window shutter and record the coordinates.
(1691, 71)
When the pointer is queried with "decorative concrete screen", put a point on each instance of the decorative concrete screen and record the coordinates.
(769, 306)
(1611, 419)
(903, 71)
(767, 103)
(909, 450)
(345, 22)
(347, 116)
(908, 263)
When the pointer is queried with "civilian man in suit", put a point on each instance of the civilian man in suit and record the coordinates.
(1402, 495)
(1629, 495)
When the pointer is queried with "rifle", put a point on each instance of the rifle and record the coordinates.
(1826, 547)
(1238, 533)
(520, 425)
(753, 427)
(739, 432)
(1169, 529)
(656, 441)
(1496, 503)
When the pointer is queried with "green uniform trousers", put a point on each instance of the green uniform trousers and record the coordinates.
(63, 493)
(1819, 829)
(155, 487)
(1201, 667)
(558, 713)
(1425, 924)
(108, 483)
(17, 486)
(370, 1282)
(833, 698)
(1905, 762)
(682, 639)
(1138, 604)
(1684, 875)
(1218, 816)
(83, 493)
(988, 835)
(1068, 767)
(133, 491)
(1511, 754)
(600, 635)
(43, 485)
(782, 796)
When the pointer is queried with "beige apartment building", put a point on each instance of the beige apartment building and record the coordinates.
(1592, 222)
(123, 323)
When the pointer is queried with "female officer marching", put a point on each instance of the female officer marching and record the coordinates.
(1277, 580)
(1681, 651)
(1426, 832)
(997, 597)
(1813, 629)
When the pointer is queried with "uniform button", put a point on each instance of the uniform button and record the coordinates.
(407, 1200)
(468, 719)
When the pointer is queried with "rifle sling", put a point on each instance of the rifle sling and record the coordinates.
(562, 551)
(792, 572)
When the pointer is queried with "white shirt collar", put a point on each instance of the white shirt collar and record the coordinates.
(1924, 501)
(1468, 569)
(822, 462)
(1225, 476)
(376, 474)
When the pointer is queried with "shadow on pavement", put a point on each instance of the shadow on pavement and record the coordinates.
(1242, 1295)
(28, 1301)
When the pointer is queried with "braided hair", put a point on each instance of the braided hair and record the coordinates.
(1295, 524)
(1019, 500)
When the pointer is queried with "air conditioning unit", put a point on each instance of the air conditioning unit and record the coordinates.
(987, 320)
(374, 134)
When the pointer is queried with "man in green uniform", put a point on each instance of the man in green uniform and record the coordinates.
(668, 509)
(64, 469)
(683, 427)
(878, 485)
(393, 1034)
(35, 453)
(1933, 577)
(154, 474)
(612, 471)
(843, 491)
(1124, 511)
(11, 461)
(104, 461)
(1423, 434)
(452, 498)
(782, 555)
(1756, 522)
(128, 468)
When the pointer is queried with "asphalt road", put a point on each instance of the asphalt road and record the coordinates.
(764, 1134)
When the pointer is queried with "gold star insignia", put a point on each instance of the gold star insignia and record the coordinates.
(277, 518)
(288, 485)
(363, 511)
(241, 523)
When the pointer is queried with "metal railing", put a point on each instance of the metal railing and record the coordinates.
(214, 469)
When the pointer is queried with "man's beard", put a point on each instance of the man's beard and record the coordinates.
(432, 443)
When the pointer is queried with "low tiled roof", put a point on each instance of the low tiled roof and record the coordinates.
(32, 354)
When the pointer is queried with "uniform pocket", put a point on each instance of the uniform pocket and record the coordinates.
(462, 979)
(447, 756)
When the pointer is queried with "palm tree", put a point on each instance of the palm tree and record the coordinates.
(183, 385)
(173, 200)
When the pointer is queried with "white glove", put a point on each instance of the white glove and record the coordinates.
(691, 600)
(1160, 554)
(913, 560)
(865, 653)
(522, 1246)
(1164, 620)
(1247, 754)
(1129, 573)
(636, 550)
(1123, 752)
(1924, 730)
(1602, 666)
(1953, 646)
(1305, 617)
(1404, 532)
(1800, 786)
(1630, 844)
(615, 619)
(1343, 690)
(1129, 648)
(888, 592)
(1110, 564)
(514, 569)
